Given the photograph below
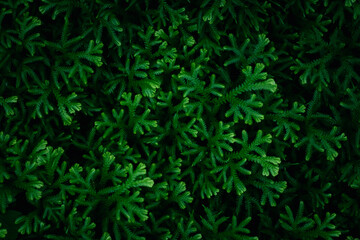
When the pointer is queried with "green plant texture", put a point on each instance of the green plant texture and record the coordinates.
(193, 119)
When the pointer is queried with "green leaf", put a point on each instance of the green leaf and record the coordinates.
(31, 223)
(44, 90)
(180, 195)
(66, 106)
(3, 232)
(254, 81)
(5, 103)
(106, 236)
(229, 175)
(187, 230)
(306, 227)
(138, 123)
(323, 142)
(248, 107)
(286, 124)
(253, 152)
(315, 72)
(28, 40)
(129, 207)
(143, 122)
(248, 54)
(133, 180)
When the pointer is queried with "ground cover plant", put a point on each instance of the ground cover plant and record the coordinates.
(139, 119)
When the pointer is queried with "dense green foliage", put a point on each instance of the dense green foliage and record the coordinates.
(164, 119)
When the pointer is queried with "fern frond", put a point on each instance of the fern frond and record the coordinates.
(4, 102)
(3, 232)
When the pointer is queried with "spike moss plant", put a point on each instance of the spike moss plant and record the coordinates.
(193, 119)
